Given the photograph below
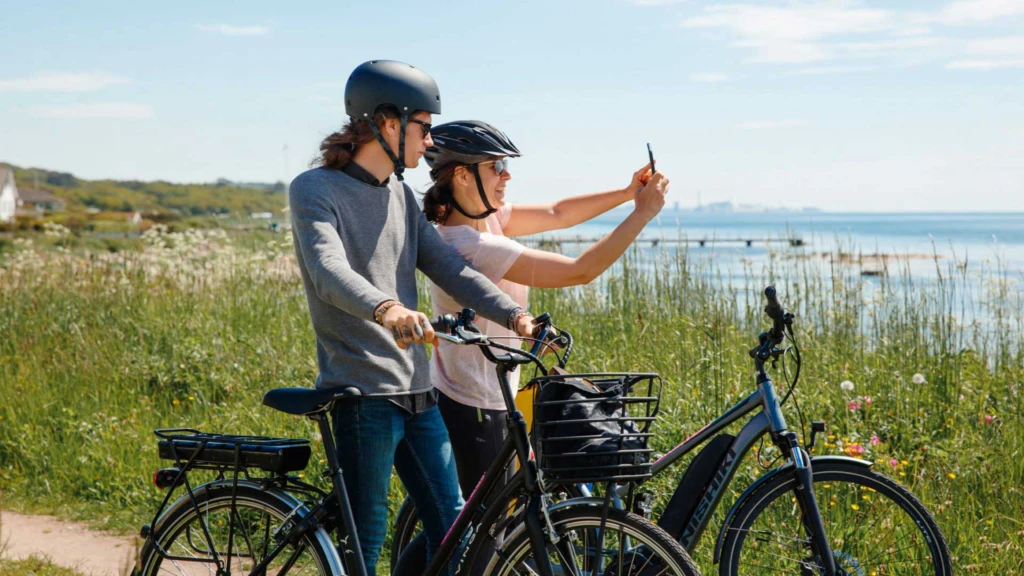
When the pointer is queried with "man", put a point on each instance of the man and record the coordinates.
(359, 238)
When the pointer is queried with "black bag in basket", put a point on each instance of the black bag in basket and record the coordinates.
(586, 433)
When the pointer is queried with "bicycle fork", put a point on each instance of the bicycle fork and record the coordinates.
(810, 513)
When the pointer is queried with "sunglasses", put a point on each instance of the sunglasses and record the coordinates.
(424, 125)
(500, 166)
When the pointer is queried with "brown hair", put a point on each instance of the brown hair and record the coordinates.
(437, 200)
(337, 149)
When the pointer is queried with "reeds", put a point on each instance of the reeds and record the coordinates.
(97, 349)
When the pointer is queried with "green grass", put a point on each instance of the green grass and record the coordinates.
(98, 348)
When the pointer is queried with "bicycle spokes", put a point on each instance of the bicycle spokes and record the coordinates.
(869, 535)
(251, 542)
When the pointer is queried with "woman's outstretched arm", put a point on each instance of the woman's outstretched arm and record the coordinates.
(549, 270)
(536, 218)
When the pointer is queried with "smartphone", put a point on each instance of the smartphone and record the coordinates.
(651, 156)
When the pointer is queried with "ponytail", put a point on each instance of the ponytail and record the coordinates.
(437, 200)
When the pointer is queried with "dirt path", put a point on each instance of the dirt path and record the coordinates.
(64, 543)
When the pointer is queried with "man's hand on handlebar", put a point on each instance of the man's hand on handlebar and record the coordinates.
(408, 326)
(527, 326)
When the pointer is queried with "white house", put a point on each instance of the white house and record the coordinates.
(8, 195)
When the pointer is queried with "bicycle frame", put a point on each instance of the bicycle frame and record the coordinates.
(769, 420)
(517, 443)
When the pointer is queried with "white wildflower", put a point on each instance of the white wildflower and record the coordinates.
(846, 385)
(918, 378)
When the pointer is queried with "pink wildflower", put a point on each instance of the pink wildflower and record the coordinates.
(868, 400)
(989, 418)
(894, 462)
(854, 405)
(874, 440)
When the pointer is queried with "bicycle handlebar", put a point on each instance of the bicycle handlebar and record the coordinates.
(459, 329)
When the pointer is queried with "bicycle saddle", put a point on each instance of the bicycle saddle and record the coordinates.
(302, 401)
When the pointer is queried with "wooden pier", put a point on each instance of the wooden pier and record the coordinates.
(558, 241)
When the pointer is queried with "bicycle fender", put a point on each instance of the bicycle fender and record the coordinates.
(767, 477)
(571, 502)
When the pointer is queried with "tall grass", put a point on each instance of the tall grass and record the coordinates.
(97, 349)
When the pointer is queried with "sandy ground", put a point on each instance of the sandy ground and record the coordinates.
(64, 543)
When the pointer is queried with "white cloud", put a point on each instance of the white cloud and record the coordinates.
(816, 70)
(985, 64)
(889, 45)
(916, 30)
(975, 11)
(61, 82)
(1010, 45)
(708, 78)
(97, 110)
(992, 54)
(229, 30)
(790, 33)
(766, 124)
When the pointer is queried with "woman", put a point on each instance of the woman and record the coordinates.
(359, 239)
(469, 163)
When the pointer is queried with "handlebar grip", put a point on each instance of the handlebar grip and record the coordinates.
(444, 324)
(541, 336)
(774, 311)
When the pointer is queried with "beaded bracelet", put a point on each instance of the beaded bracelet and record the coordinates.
(382, 308)
(514, 319)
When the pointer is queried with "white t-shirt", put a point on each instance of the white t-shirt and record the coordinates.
(461, 372)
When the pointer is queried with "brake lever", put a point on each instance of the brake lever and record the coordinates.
(448, 338)
(470, 337)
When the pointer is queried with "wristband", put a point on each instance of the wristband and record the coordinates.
(510, 321)
(381, 309)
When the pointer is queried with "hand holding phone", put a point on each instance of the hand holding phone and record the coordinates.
(651, 156)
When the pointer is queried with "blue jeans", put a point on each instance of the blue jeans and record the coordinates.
(372, 435)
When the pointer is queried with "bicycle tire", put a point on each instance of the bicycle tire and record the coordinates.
(651, 550)
(407, 524)
(406, 527)
(845, 492)
(180, 533)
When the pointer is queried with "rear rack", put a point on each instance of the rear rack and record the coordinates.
(192, 449)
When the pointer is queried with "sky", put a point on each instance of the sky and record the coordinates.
(843, 105)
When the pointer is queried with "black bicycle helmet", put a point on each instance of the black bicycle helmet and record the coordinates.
(468, 142)
(389, 83)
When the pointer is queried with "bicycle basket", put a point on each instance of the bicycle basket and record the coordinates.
(192, 449)
(595, 427)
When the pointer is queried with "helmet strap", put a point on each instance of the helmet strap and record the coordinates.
(483, 197)
(398, 162)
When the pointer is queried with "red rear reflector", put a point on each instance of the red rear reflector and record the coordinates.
(165, 478)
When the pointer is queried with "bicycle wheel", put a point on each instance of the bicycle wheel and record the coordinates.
(407, 526)
(631, 546)
(407, 523)
(258, 515)
(874, 526)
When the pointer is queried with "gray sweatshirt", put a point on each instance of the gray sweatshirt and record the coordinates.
(357, 246)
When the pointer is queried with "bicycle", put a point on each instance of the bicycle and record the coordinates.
(847, 519)
(282, 525)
